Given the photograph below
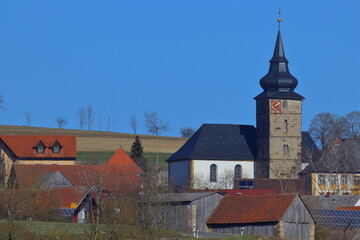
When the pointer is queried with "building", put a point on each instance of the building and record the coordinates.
(275, 149)
(119, 174)
(336, 171)
(36, 149)
(185, 211)
(276, 215)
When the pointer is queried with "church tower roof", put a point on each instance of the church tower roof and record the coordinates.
(278, 82)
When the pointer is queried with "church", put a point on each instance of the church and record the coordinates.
(217, 154)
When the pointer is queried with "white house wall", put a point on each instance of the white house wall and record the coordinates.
(225, 173)
(179, 173)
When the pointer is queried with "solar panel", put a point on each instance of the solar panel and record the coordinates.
(337, 218)
(66, 212)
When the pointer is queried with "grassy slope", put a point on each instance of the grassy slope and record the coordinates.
(96, 147)
(102, 157)
(98, 141)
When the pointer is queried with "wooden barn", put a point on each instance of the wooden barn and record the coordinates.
(271, 215)
(185, 211)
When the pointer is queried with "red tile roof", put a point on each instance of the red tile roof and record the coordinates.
(101, 176)
(121, 158)
(354, 208)
(251, 209)
(67, 196)
(23, 145)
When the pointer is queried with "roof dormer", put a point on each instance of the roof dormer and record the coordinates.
(56, 147)
(40, 147)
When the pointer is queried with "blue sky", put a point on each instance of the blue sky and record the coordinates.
(192, 61)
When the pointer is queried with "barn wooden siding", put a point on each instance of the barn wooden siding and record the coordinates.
(204, 208)
(265, 229)
(183, 215)
(297, 223)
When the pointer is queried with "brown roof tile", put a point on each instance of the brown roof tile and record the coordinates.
(251, 209)
(101, 176)
(121, 158)
(23, 145)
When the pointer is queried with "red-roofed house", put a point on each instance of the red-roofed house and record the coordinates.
(37, 149)
(272, 215)
(110, 178)
(122, 159)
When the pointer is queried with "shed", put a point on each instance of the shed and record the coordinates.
(271, 215)
(183, 211)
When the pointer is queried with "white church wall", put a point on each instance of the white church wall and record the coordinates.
(225, 173)
(179, 173)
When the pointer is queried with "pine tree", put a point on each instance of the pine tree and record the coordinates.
(137, 154)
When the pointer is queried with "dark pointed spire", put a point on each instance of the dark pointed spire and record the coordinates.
(279, 55)
(278, 82)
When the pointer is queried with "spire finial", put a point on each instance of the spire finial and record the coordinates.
(279, 19)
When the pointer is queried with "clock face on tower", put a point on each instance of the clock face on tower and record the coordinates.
(276, 105)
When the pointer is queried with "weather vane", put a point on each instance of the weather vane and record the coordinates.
(279, 19)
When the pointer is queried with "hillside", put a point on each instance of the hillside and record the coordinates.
(98, 141)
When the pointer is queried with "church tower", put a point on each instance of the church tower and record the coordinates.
(278, 120)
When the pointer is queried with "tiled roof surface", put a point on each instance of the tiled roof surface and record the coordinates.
(235, 192)
(184, 197)
(219, 141)
(330, 202)
(22, 145)
(355, 208)
(67, 196)
(121, 158)
(101, 176)
(251, 209)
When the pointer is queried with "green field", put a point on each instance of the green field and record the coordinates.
(102, 157)
(36, 230)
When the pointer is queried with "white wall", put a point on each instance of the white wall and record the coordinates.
(179, 173)
(225, 170)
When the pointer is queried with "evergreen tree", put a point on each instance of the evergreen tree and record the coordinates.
(137, 154)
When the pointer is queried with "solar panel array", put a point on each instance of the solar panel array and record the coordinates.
(66, 212)
(337, 218)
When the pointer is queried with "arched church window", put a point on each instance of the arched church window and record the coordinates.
(213, 173)
(238, 171)
(286, 149)
(286, 125)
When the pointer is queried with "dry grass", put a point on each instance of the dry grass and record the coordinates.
(97, 141)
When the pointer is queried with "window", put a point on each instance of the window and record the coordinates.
(332, 179)
(286, 125)
(213, 173)
(238, 171)
(321, 179)
(344, 179)
(284, 104)
(56, 149)
(246, 184)
(356, 180)
(286, 149)
(40, 148)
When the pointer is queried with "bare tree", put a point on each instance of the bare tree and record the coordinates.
(352, 128)
(28, 117)
(61, 122)
(81, 114)
(133, 123)
(90, 116)
(187, 131)
(325, 127)
(154, 123)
